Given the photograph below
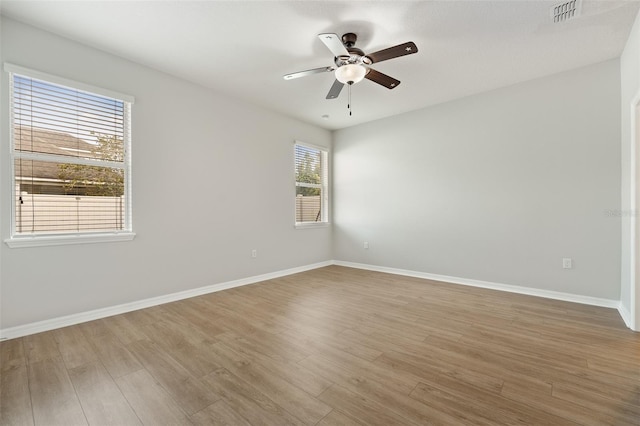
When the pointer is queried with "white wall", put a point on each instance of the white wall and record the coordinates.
(630, 88)
(187, 141)
(497, 187)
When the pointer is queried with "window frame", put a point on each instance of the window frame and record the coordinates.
(324, 186)
(17, 240)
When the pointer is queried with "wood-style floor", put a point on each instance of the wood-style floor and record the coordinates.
(333, 346)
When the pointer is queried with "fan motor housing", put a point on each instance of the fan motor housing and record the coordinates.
(356, 56)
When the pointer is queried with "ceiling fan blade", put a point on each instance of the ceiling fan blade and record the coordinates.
(308, 72)
(382, 79)
(393, 52)
(335, 90)
(334, 43)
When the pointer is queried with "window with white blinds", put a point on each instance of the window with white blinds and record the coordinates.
(311, 170)
(70, 148)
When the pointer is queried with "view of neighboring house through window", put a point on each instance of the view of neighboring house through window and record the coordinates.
(70, 152)
(311, 169)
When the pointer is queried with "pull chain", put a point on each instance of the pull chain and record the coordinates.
(349, 102)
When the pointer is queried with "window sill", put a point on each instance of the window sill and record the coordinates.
(59, 240)
(305, 225)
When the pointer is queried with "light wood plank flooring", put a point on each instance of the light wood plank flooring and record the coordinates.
(333, 346)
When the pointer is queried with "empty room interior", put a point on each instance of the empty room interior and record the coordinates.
(319, 213)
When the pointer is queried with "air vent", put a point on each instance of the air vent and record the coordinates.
(566, 11)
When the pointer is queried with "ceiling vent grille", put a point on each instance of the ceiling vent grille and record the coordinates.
(566, 11)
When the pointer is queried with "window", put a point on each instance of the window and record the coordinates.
(311, 169)
(70, 152)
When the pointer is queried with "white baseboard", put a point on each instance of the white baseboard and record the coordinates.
(625, 314)
(568, 297)
(51, 324)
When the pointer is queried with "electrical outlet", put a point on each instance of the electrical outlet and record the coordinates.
(567, 263)
(366, 245)
(254, 253)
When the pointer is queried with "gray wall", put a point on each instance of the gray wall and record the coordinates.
(497, 187)
(197, 156)
(630, 86)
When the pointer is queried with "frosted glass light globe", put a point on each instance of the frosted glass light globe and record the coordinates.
(350, 73)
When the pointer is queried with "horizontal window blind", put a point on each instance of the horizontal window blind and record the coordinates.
(71, 162)
(311, 184)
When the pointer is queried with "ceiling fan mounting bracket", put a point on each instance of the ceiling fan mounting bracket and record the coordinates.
(349, 39)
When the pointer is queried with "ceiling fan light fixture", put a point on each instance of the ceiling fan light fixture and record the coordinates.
(350, 73)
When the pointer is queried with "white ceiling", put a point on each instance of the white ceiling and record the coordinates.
(244, 48)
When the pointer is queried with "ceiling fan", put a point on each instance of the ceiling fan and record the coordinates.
(352, 64)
